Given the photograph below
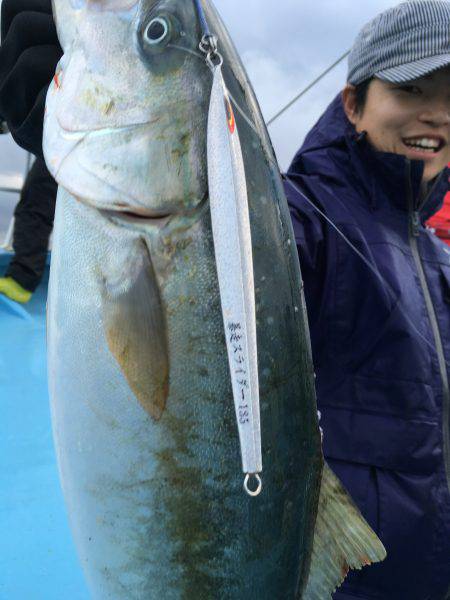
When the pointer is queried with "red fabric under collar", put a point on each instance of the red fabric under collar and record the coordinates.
(440, 222)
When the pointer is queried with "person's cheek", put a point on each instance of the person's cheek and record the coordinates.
(389, 139)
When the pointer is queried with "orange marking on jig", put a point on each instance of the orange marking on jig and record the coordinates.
(230, 116)
(57, 81)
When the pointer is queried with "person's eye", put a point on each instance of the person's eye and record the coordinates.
(410, 89)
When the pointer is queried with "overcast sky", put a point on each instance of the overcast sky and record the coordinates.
(284, 44)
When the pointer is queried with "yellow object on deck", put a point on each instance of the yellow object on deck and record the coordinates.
(13, 290)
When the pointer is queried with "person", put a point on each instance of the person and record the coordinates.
(377, 284)
(33, 225)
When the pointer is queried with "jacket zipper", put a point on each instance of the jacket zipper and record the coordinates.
(414, 229)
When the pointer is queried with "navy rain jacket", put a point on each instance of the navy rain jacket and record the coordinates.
(380, 331)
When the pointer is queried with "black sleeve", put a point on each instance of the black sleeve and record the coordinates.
(29, 53)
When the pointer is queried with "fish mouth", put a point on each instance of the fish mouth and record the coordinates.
(102, 129)
(136, 215)
(122, 214)
(141, 217)
(125, 212)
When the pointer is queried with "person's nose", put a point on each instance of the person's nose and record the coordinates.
(436, 112)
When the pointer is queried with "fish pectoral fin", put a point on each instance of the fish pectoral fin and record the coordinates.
(342, 540)
(135, 328)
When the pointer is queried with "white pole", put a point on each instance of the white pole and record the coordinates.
(7, 243)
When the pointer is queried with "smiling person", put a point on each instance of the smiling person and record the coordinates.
(377, 282)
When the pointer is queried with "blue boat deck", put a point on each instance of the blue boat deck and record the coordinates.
(37, 555)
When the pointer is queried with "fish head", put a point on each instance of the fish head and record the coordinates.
(126, 113)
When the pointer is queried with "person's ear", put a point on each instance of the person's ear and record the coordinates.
(349, 103)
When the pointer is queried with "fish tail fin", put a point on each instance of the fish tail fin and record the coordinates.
(342, 540)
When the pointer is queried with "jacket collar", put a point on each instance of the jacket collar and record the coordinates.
(383, 175)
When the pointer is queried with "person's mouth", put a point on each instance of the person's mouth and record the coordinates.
(424, 146)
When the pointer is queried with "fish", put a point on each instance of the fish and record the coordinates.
(142, 408)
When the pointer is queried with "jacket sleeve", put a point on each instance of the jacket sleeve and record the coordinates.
(309, 234)
(29, 53)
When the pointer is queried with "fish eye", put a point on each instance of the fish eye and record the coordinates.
(156, 31)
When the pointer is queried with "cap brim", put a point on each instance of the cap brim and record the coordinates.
(414, 70)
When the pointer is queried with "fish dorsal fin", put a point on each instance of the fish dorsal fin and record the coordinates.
(135, 328)
(342, 540)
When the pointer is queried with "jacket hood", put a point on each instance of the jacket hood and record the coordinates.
(334, 150)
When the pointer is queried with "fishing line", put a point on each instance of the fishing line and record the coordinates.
(307, 88)
(375, 271)
(203, 22)
(236, 104)
(188, 50)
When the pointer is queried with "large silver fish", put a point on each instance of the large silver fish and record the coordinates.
(144, 422)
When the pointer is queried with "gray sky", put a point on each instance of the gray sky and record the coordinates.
(284, 44)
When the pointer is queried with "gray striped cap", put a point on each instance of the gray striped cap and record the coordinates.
(403, 43)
